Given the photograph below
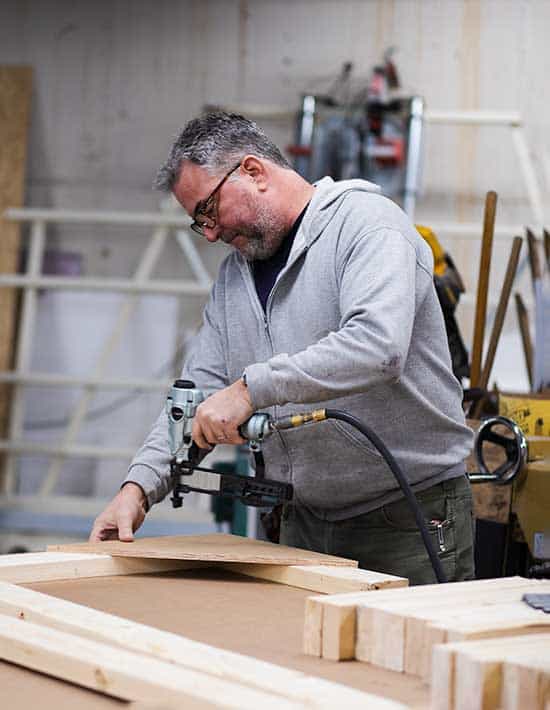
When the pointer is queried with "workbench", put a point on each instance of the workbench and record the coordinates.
(259, 618)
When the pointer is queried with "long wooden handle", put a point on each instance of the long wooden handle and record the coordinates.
(499, 319)
(534, 261)
(523, 320)
(483, 286)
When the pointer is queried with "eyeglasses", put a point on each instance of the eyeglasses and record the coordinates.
(206, 211)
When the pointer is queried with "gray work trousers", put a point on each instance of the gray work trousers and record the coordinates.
(387, 539)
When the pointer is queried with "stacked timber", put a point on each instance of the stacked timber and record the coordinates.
(408, 630)
(512, 673)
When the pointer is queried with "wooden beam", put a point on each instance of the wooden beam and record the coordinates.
(546, 238)
(312, 643)
(119, 673)
(408, 647)
(499, 321)
(49, 566)
(483, 287)
(320, 578)
(339, 631)
(379, 623)
(526, 681)
(344, 607)
(471, 676)
(15, 103)
(523, 321)
(534, 259)
(115, 637)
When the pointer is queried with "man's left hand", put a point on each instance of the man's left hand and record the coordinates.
(218, 418)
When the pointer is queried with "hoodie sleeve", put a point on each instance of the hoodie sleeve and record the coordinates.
(377, 277)
(205, 366)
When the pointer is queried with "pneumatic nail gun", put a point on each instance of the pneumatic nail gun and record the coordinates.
(187, 475)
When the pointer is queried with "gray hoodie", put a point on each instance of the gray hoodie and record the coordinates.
(353, 323)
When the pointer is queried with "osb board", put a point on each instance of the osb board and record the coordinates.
(244, 615)
(15, 101)
(208, 548)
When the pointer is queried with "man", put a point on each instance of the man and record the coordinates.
(326, 300)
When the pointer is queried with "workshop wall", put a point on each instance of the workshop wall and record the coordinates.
(114, 81)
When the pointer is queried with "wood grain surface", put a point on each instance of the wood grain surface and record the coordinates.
(208, 548)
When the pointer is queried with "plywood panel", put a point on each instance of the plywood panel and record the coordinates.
(208, 548)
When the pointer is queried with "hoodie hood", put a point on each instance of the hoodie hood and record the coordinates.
(326, 200)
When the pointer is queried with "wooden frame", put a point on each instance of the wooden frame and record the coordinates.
(131, 660)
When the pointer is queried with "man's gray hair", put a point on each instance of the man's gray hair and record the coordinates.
(216, 141)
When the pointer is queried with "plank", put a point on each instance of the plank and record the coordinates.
(492, 622)
(49, 566)
(526, 682)
(416, 621)
(524, 329)
(320, 578)
(339, 632)
(15, 102)
(483, 286)
(312, 644)
(397, 634)
(119, 673)
(208, 548)
(470, 676)
(315, 625)
(67, 618)
(498, 322)
(343, 609)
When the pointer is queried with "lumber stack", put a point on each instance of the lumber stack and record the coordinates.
(512, 673)
(399, 629)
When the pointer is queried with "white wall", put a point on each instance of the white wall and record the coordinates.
(115, 80)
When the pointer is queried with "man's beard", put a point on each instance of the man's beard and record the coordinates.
(264, 237)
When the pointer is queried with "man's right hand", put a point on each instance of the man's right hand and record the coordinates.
(122, 517)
